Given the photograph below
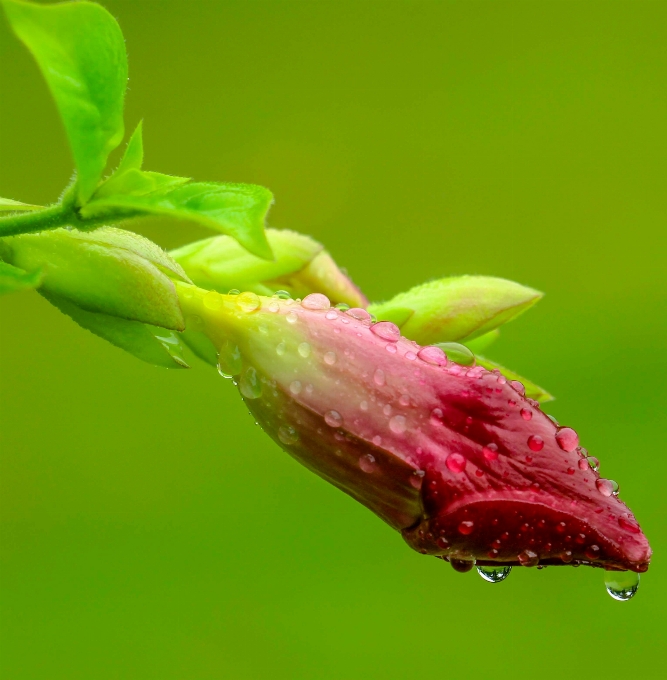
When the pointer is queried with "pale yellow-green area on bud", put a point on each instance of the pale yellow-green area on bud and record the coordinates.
(456, 309)
(300, 266)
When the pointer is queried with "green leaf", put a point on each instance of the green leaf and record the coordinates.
(151, 344)
(454, 309)
(200, 345)
(480, 343)
(108, 271)
(80, 50)
(533, 391)
(130, 180)
(7, 204)
(235, 209)
(13, 279)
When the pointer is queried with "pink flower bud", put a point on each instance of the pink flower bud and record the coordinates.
(443, 453)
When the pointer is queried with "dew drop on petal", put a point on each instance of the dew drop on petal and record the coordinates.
(391, 348)
(358, 313)
(404, 400)
(528, 558)
(494, 574)
(417, 478)
(234, 291)
(316, 301)
(330, 358)
(432, 355)
(387, 409)
(606, 487)
(291, 317)
(274, 307)
(437, 416)
(410, 356)
(333, 419)
(280, 349)
(526, 413)
(295, 387)
(455, 462)
(367, 463)
(248, 302)
(304, 350)
(518, 387)
(287, 435)
(363, 405)
(282, 295)
(567, 439)
(490, 452)
(466, 527)
(331, 315)
(593, 462)
(250, 384)
(535, 442)
(379, 377)
(621, 585)
(386, 330)
(398, 424)
(629, 525)
(377, 440)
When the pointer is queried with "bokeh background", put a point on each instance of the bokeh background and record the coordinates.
(149, 530)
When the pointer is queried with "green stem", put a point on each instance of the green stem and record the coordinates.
(58, 215)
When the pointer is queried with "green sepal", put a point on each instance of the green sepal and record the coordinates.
(80, 50)
(457, 308)
(107, 271)
(14, 279)
(238, 210)
(129, 179)
(480, 343)
(9, 205)
(151, 344)
(533, 391)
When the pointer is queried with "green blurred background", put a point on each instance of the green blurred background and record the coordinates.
(149, 530)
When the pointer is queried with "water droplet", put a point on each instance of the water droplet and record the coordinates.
(511, 402)
(250, 385)
(410, 356)
(494, 574)
(291, 317)
(433, 355)
(629, 525)
(248, 302)
(582, 464)
(363, 405)
(404, 400)
(358, 313)
(274, 307)
(437, 416)
(377, 440)
(528, 558)
(518, 387)
(342, 306)
(621, 585)
(304, 350)
(592, 552)
(367, 463)
(387, 409)
(526, 413)
(593, 462)
(331, 315)
(333, 419)
(398, 424)
(466, 527)
(295, 387)
(490, 452)
(417, 478)
(282, 295)
(387, 331)
(567, 439)
(570, 471)
(391, 348)
(330, 358)
(462, 565)
(455, 462)
(212, 300)
(535, 442)
(309, 389)
(280, 349)
(229, 360)
(287, 435)
(379, 378)
(457, 353)
(316, 301)
(607, 487)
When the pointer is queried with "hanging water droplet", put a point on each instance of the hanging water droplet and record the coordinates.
(304, 350)
(535, 442)
(528, 558)
(229, 360)
(621, 585)
(248, 302)
(462, 565)
(494, 574)
(316, 301)
(457, 353)
(433, 355)
(333, 419)
(379, 377)
(287, 435)
(387, 331)
(398, 424)
(593, 462)
(291, 317)
(250, 384)
(567, 439)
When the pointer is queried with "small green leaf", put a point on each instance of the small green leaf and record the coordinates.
(80, 50)
(481, 342)
(235, 209)
(7, 205)
(533, 391)
(130, 180)
(151, 344)
(108, 271)
(454, 309)
(13, 279)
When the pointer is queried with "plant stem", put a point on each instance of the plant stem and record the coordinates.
(58, 215)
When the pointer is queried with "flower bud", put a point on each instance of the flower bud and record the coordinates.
(457, 308)
(300, 266)
(105, 271)
(455, 457)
